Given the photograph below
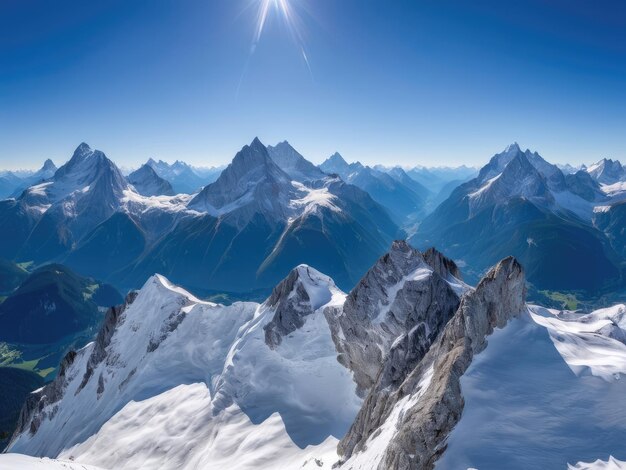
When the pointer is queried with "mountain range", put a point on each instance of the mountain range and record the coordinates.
(13, 182)
(521, 205)
(411, 369)
(183, 177)
(271, 208)
(403, 197)
(242, 232)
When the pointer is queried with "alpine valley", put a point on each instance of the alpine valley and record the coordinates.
(277, 314)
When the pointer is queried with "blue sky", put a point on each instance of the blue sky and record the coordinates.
(430, 82)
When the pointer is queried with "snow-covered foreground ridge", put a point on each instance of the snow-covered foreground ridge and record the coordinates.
(383, 377)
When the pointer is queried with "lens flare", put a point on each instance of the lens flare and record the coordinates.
(291, 19)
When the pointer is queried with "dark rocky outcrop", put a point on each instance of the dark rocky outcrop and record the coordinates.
(399, 296)
(34, 409)
(423, 427)
(292, 302)
(442, 265)
(98, 353)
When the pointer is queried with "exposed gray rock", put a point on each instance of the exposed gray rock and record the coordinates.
(33, 412)
(397, 295)
(292, 302)
(423, 428)
(442, 265)
(103, 339)
(36, 402)
(147, 182)
(294, 164)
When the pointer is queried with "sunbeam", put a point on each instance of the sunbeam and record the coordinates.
(287, 13)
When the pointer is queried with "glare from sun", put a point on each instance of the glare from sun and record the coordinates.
(284, 9)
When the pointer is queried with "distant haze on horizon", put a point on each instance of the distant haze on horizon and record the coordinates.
(133, 163)
(410, 83)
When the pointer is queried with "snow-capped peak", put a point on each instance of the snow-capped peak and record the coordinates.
(512, 148)
(251, 178)
(48, 167)
(293, 163)
(165, 344)
(301, 293)
(607, 171)
(319, 287)
(334, 164)
(147, 182)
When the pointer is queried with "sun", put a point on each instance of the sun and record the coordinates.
(288, 14)
(285, 10)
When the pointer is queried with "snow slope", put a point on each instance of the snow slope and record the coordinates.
(24, 462)
(191, 384)
(611, 464)
(173, 382)
(546, 392)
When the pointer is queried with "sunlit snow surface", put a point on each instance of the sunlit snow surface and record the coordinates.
(611, 464)
(545, 393)
(190, 384)
(25, 462)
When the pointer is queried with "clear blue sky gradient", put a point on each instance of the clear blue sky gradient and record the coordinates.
(432, 82)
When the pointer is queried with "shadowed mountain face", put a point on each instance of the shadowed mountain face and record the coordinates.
(183, 177)
(295, 165)
(15, 386)
(12, 184)
(256, 222)
(147, 183)
(607, 171)
(11, 276)
(523, 206)
(404, 198)
(612, 222)
(240, 233)
(51, 304)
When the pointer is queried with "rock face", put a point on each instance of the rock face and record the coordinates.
(519, 205)
(147, 182)
(35, 407)
(252, 176)
(404, 335)
(400, 293)
(607, 171)
(400, 196)
(302, 292)
(443, 266)
(294, 164)
(424, 397)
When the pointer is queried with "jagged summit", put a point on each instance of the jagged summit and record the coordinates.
(334, 164)
(336, 158)
(398, 294)
(293, 163)
(519, 178)
(48, 166)
(300, 294)
(499, 161)
(82, 149)
(88, 171)
(424, 375)
(251, 178)
(317, 287)
(441, 264)
(607, 171)
(147, 182)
